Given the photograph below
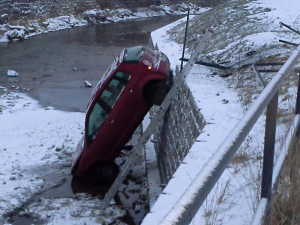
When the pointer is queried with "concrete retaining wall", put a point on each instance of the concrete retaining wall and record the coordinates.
(183, 123)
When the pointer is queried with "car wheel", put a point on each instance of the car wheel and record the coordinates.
(155, 92)
(105, 171)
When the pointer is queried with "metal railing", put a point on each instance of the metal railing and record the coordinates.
(188, 205)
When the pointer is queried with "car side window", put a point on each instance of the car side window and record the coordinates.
(96, 119)
(114, 89)
(105, 103)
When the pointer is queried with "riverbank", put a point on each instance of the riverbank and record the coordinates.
(24, 28)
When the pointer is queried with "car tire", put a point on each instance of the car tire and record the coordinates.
(155, 92)
(105, 171)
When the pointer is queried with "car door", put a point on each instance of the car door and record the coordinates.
(103, 125)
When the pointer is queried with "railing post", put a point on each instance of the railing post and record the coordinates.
(297, 107)
(185, 35)
(269, 146)
(270, 132)
(297, 111)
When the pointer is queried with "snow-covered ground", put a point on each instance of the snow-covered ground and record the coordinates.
(33, 140)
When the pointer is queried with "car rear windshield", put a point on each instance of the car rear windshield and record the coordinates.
(106, 102)
(134, 54)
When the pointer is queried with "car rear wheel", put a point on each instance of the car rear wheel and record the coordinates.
(155, 92)
(105, 171)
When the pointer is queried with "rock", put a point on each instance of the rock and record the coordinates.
(12, 178)
(15, 34)
(50, 108)
(12, 73)
(31, 29)
(137, 208)
(3, 18)
(16, 27)
(225, 101)
(95, 17)
(87, 84)
(45, 24)
(58, 149)
(250, 53)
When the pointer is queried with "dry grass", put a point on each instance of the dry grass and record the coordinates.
(285, 208)
(240, 158)
(213, 204)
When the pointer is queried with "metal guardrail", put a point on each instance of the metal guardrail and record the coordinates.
(188, 205)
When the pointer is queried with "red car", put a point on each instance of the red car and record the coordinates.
(137, 79)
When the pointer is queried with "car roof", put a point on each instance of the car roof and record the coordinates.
(133, 54)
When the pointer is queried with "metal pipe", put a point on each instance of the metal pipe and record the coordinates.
(213, 65)
(287, 26)
(188, 205)
(269, 64)
(258, 75)
(284, 149)
(268, 71)
(288, 42)
(184, 41)
(297, 109)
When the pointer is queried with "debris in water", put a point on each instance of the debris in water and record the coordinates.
(12, 73)
(87, 84)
